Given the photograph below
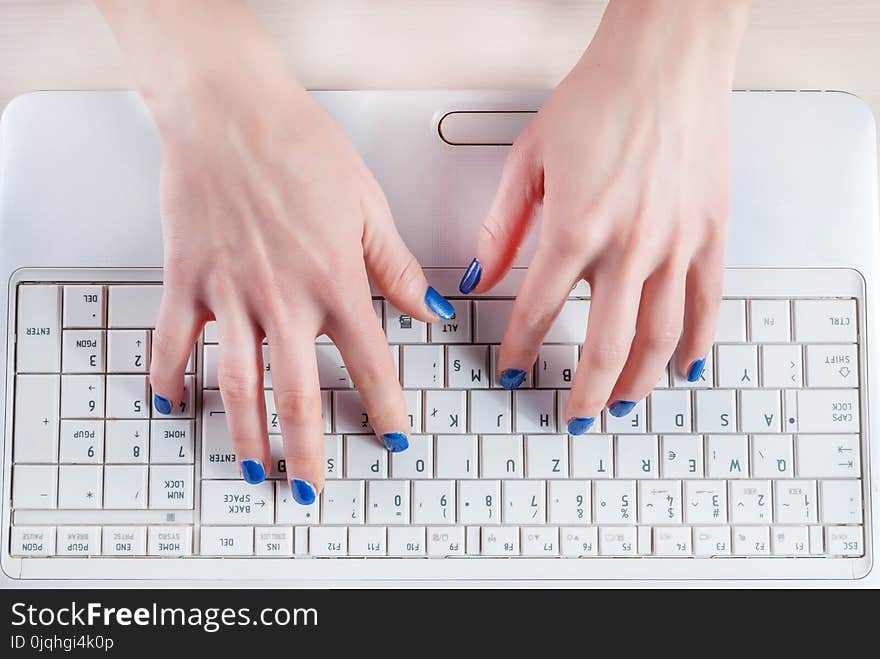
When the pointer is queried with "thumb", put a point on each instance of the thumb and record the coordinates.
(508, 220)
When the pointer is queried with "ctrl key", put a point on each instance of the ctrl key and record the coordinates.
(33, 541)
(170, 541)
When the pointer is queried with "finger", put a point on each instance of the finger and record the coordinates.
(658, 330)
(508, 220)
(298, 404)
(544, 290)
(396, 271)
(240, 375)
(365, 351)
(610, 329)
(177, 330)
(702, 300)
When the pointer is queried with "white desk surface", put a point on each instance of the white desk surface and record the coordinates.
(516, 44)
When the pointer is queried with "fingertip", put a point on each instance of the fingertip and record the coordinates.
(395, 442)
(471, 277)
(695, 370)
(303, 492)
(252, 471)
(439, 304)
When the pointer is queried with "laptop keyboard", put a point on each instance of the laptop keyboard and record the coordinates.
(760, 458)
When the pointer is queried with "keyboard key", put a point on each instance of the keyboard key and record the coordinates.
(328, 540)
(423, 367)
(79, 541)
(570, 502)
(133, 306)
(591, 456)
(737, 366)
(556, 366)
(705, 502)
(712, 540)
(479, 502)
(128, 397)
(614, 502)
(673, 541)
(832, 366)
(840, 502)
(84, 306)
(291, 512)
(367, 541)
(770, 321)
(171, 486)
(795, 502)
(273, 541)
(388, 502)
(82, 396)
(715, 410)
(846, 540)
(332, 371)
(445, 411)
(524, 502)
(636, 456)
(170, 541)
(445, 541)
(659, 502)
(828, 410)
(433, 502)
(350, 416)
(580, 541)
(36, 418)
(124, 541)
(490, 320)
(789, 541)
(456, 456)
(727, 456)
(468, 367)
(500, 541)
(760, 411)
(490, 411)
(171, 441)
(535, 410)
(125, 487)
(570, 325)
(38, 336)
(415, 462)
(32, 541)
(671, 411)
(237, 503)
(751, 540)
(34, 486)
(825, 321)
(681, 456)
(413, 405)
(772, 456)
(403, 328)
(82, 442)
(80, 487)
(406, 541)
(128, 351)
(782, 366)
(633, 423)
(706, 379)
(456, 330)
(750, 502)
(617, 540)
(365, 457)
(227, 541)
(501, 456)
(187, 407)
(828, 456)
(547, 456)
(342, 502)
(731, 322)
(83, 351)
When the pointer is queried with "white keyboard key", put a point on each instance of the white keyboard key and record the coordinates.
(445, 411)
(479, 502)
(633, 423)
(128, 351)
(535, 410)
(423, 367)
(128, 397)
(277, 467)
(126, 441)
(171, 441)
(795, 502)
(712, 540)
(433, 502)
(171, 486)
(388, 502)
(456, 456)
(547, 456)
(210, 364)
(467, 367)
(570, 502)
(328, 541)
(538, 541)
(343, 502)
(579, 541)
(828, 456)
(227, 541)
(825, 321)
(673, 541)
(737, 366)
(636, 456)
(445, 541)
(415, 462)
(591, 456)
(32, 541)
(290, 512)
(556, 366)
(614, 502)
(490, 319)
(500, 541)
(82, 396)
(659, 502)
(38, 337)
(705, 502)
(125, 487)
(456, 330)
(782, 366)
(817, 540)
(133, 306)
(727, 456)
(124, 541)
(186, 408)
(273, 541)
(751, 540)
(760, 411)
(367, 541)
(36, 418)
(332, 371)
(570, 326)
(365, 457)
(501, 456)
(840, 502)
(350, 416)
(731, 322)
(82, 442)
(80, 487)
(490, 411)
(772, 456)
(832, 366)
(846, 540)
(403, 328)
(170, 541)
(828, 410)
(706, 379)
(770, 321)
(83, 351)
(671, 411)
(84, 306)
(524, 502)
(681, 456)
(34, 486)
(79, 541)
(237, 503)
(789, 541)
(617, 540)
(406, 541)
(716, 410)
(750, 502)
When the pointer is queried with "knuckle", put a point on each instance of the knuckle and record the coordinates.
(297, 404)
(237, 387)
(607, 355)
(407, 273)
(662, 339)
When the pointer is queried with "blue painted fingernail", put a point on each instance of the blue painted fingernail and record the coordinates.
(303, 492)
(471, 277)
(621, 407)
(512, 378)
(163, 405)
(252, 471)
(439, 304)
(395, 441)
(578, 425)
(696, 370)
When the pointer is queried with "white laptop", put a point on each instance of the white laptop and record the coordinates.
(98, 491)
